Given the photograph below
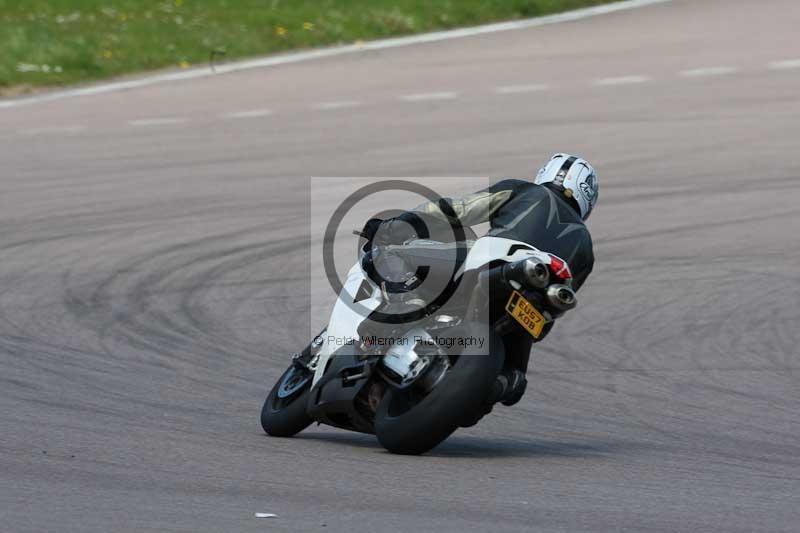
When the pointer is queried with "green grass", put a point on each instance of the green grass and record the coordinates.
(59, 42)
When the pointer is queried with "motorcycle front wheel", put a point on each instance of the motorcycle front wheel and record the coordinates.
(284, 411)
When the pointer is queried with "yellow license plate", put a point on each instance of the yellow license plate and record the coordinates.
(526, 314)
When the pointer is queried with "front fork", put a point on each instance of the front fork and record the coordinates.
(309, 357)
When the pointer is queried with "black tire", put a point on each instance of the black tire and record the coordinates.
(459, 398)
(285, 417)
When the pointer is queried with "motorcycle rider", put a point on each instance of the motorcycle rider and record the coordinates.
(548, 213)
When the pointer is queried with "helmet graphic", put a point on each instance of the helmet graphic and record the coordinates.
(574, 177)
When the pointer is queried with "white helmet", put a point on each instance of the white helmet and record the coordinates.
(575, 177)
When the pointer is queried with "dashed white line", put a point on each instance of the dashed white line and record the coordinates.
(424, 97)
(156, 121)
(253, 113)
(708, 71)
(621, 80)
(329, 106)
(786, 64)
(53, 129)
(518, 89)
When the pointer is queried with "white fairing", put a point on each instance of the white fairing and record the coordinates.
(488, 249)
(344, 321)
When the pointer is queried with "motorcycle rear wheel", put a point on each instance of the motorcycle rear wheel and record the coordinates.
(410, 424)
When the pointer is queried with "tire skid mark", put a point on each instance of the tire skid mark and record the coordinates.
(711, 332)
(694, 227)
(152, 330)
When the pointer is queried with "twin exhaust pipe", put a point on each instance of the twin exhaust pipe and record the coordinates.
(534, 274)
(530, 273)
(561, 297)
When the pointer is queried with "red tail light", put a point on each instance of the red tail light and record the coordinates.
(559, 268)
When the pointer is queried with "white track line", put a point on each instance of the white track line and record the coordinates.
(253, 113)
(53, 129)
(708, 71)
(785, 64)
(297, 57)
(518, 89)
(620, 80)
(330, 106)
(427, 97)
(144, 122)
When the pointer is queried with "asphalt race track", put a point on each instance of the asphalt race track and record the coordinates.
(152, 286)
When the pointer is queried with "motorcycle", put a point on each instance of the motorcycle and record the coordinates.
(443, 366)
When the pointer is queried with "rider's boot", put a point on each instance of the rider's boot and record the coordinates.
(508, 388)
(514, 384)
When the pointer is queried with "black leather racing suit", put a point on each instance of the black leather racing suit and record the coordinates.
(515, 209)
